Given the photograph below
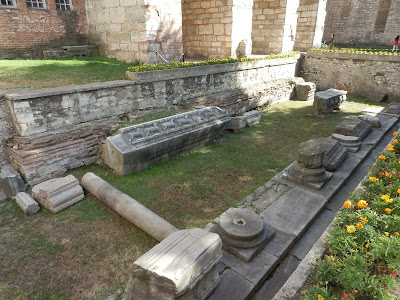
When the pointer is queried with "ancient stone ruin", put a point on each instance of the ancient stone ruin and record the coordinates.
(305, 91)
(335, 153)
(28, 205)
(325, 102)
(309, 168)
(11, 181)
(137, 147)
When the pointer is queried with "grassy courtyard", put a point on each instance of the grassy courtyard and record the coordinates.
(85, 251)
(37, 74)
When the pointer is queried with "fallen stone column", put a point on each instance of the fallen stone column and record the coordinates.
(128, 207)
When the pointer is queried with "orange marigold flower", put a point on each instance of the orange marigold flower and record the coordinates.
(388, 210)
(387, 174)
(362, 204)
(383, 157)
(395, 141)
(347, 204)
(360, 226)
(374, 179)
(396, 233)
(395, 133)
(390, 148)
(398, 191)
(364, 220)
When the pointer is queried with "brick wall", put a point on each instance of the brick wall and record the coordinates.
(207, 28)
(26, 32)
(363, 22)
(132, 30)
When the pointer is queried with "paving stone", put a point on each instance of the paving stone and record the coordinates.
(281, 243)
(137, 147)
(392, 109)
(349, 165)
(373, 138)
(301, 248)
(11, 181)
(269, 196)
(232, 283)
(28, 205)
(281, 274)
(256, 271)
(183, 265)
(58, 193)
(294, 211)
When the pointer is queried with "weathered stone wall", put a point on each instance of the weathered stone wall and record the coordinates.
(135, 30)
(62, 128)
(310, 24)
(363, 22)
(362, 74)
(207, 28)
(26, 32)
(6, 126)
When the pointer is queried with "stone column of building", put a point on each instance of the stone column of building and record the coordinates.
(207, 28)
(134, 30)
(363, 22)
(310, 24)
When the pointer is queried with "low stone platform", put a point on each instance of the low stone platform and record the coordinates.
(137, 147)
(289, 208)
(66, 51)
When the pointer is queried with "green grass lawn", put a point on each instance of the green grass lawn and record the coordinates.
(37, 74)
(85, 251)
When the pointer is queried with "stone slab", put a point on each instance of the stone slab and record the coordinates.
(281, 243)
(281, 274)
(373, 138)
(294, 211)
(237, 123)
(58, 193)
(137, 147)
(374, 121)
(314, 185)
(256, 271)
(28, 205)
(303, 246)
(3, 197)
(353, 127)
(352, 143)
(183, 266)
(252, 117)
(11, 181)
(373, 109)
(327, 101)
(232, 283)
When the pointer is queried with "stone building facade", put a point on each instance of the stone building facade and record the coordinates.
(147, 30)
(30, 26)
(363, 22)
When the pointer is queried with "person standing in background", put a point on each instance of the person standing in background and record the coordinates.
(396, 44)
(331, 41)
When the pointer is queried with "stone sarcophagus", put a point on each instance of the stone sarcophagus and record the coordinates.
(137, 147)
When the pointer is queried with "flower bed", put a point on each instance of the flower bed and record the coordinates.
(363, 257)
(357, 51)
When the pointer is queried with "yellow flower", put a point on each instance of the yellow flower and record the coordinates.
(390, 148)
(395, 141)
(330, 258)
(395, 133)
(387, 198)
(320, 297)
(364, 220)
(386, 233)
(382, 157)
(396, 233)
(398, 191)
(359, 226)
(367, 245)
(347, 204)
(388, 210)
(350, 229)
(362, 204)
(388, 175)
(374, 179)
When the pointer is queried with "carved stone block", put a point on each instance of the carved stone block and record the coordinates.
(183, 266)
(305, 91)
(26, 203)
(59, 193)
(352, 143)
(374, 121)
(335, 153)
(353, 127)
(327, 101)
(252, 117)
(11, 181)
(237, 124)
(138, 147)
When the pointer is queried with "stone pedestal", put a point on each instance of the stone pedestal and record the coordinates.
(183, 266)
(352, 143)
(243, 233)
(353, 127)
(309, 168)
(327, 101)
(59, 193)
(335, 153)
(26, 203)
(11, 181)
(305, 91)
(373, 121)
